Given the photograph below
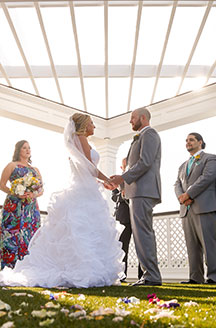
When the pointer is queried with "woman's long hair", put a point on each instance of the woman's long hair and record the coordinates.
(16, 155)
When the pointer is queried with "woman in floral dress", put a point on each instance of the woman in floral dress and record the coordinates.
(20, 213)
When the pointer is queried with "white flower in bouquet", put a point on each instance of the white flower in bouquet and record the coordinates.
(20, 190)
(28, 179)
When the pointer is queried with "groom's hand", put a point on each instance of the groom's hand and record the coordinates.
(108, 185)
(116, 180)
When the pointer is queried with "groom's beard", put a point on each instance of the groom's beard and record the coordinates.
(137, 125)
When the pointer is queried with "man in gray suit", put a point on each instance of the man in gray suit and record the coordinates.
(196, 191)
(143, 188)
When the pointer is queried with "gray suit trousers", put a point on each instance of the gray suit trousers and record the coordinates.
(144, 237)
(200, 236)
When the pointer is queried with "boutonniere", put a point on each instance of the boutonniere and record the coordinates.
(136, 137)
(197, 157)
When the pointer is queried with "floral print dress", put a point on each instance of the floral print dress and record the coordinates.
(20, 220)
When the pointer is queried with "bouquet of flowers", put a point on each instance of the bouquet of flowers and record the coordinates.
(28, 183)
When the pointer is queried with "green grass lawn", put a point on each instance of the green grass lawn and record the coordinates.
(64, 311)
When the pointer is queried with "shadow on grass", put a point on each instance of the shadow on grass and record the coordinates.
(203, 294)
(200, 293)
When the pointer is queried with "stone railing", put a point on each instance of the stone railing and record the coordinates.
(171, 248)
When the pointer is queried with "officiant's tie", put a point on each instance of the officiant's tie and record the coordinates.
(190, 163)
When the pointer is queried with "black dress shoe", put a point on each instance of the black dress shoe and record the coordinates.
(124, 280)
(143, 282)
(190, 282)
(210, 282)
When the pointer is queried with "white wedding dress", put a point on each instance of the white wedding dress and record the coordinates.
(78, 244)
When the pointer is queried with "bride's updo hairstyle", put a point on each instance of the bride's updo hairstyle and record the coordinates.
(81, 121)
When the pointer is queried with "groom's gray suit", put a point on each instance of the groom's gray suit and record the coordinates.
(199, 219)
(143, 188)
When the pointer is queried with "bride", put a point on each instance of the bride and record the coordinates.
(78, 244)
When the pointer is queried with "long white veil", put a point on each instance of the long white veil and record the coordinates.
(81, 167)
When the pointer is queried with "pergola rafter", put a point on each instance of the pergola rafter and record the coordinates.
(13, 30)
(164, 48)
(139, 15)
(73, 20)
(37, 7)
(202, 25)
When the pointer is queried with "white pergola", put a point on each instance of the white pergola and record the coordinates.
(163, 76)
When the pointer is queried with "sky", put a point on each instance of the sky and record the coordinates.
(50, 157)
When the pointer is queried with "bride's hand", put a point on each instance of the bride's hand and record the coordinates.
(108, 185)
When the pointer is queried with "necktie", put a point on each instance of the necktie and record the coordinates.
(190, 163)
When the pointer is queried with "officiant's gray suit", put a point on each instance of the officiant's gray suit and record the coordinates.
(143, 188)
(199, 219)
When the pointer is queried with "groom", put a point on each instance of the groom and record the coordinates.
(143, 188)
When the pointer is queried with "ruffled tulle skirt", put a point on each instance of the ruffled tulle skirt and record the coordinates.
(76, 247)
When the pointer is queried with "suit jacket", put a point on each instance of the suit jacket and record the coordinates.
(200, 184)
(143, 176)
(122, 212)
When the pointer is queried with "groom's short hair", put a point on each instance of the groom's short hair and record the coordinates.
(144, 111)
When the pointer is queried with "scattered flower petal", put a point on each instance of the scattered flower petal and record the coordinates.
(191, 303)
(152, 310)
(52, 305)
(43, 313)
(24, 304)
(164, 314)
(102, 311)
(9, 324)
(65, 311)
(77, 314)
(134, 300)
(100, 317)
(121, 312)
(116, 319)
(22, 294)
(2, 313)
(17, 312)
(4, 306)
(151, 295)
(77, 307)
(46, 322)
(81, 297)
(173, 303)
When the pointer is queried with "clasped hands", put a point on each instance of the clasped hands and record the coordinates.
(185, 199)
(113, 182)
(27, 195)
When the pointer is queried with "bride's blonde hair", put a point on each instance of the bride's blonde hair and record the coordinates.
(81, 121)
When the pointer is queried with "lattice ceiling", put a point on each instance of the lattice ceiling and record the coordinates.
(107, 57)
